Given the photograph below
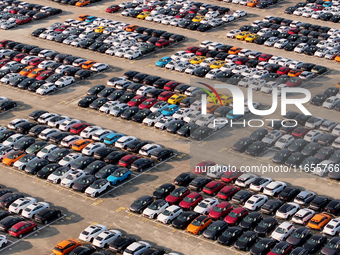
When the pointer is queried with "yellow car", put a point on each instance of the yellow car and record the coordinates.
(338, 85)
(214, 98)
(252, 37)
(226, 100)
(143, 15)
(99, 30)
(217, 64)
(198, 18)
(241, 36)
(176, 99)
(197, 59)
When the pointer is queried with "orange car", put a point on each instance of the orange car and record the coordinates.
(131, 28)
(253, 3)
(294, 72)
(199, 224)
(13, 157)
(211, 107)
(35, 73)
(337, 58)
(319, 221)
(88, 64)
(82, 3)
(234, 50)
(82, 17)
(338, 85)
(66, 246)
(27, 70)
(81, 144)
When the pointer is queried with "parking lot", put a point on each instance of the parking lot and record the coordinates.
(111, 207)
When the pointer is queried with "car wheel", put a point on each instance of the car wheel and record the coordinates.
(190, 208)
(45, 221)
(35, 228)
(155, 216)
(59, 215)
(199, 232)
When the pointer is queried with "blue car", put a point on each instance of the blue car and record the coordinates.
(327, 4)
(91, 18)
(232, 116)
(112, 138)
(119, 175)
(163, 61)
(170, 109)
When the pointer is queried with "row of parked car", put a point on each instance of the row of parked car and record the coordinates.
(7, 104)
(15, 13)
(106, 240)
(42, 70)
(79, 3)
(214, 60)
(20, 214)
(329, 99)
(229, 223)
(323, 10)
(108, 36)
(292, 35)
(261, 4)
(185, 14)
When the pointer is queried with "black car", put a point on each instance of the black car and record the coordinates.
(3, 214)
(314, 243)
(106, 171)
(105, 92)
(319, 99)
(230, 235)
(175, 125)
(256, 148)
(81, 184)
(94, 167)
(23, 144)
(163, 191)
(319, 202)
(242, 196)
(5, 134)
(198, 183)
(288, 194)
(161, 154)
(132, 88)
(153, 251)
(332, 247)
(57, 137)
(183, 179)
(130, 74)
(186, 129)
(114, 157)
(35, 147)
(297, 145)
(201, 133)
(319, 69)
(140, 204)
(58, 154)
(299, 251)
(101, 153)
(311, 149)
(129, 112)
(7, 105)
(242, 144)
(215, 229)
(332, 91)
(326, 140)
(271, 206)
(266, 226)
(142, 164)
(8, 198)
(35, 165)
(295, 159)
(333, 207)
(81, 162)
(7, 222)
(246, 240)
(184, 219)
(82, 74)
(115, 95)
(38, 31)
(263, 246)
(250, 221)
(120, 244)
(299, 236)
(86, 101)
(281, 156)
(83, 250)
(47, 170)
(201, 71)
(141, 115)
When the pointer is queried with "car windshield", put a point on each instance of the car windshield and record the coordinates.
(332, 246)
(196, 222)
(117, 174)
(280, 230)
(313, 241)
(244, 239)
(168, 109)
(84, 181)
(203, 205)
(96, 185)
(233, 215)
(154, 206)
(167, 213)
(188, 199)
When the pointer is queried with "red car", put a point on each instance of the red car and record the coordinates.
(213, 187)
(227, 192)
(21, 228)
(293, 31)
(127, 160)
(190, 201)
(300, 132)
(181, 15)
(202, 167)
(165, 95)
(241, 60)
(149, 8)
(283, 70)
(23, 20)
(193, 10)
(162, 43)
(148, 103)
(265, 57)
(236, 215)
(4, 62)
(202, 51)
(220, 211)
(112, 8)
(137, 100)
(14, 10)
(35, 61)
(191, 49)
(318, 7)
(171, 85)
(77, 128)
(19, 57)
(282, 248)
(177, 195)
(44, 75)
(230, 176)
(294, 82)
(61, 28)
(4, 42)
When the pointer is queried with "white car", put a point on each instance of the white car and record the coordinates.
(205, 119)
(314, 122)
(46, 88)
(206, 205)
(281, 43)
(69, 140)
(98, 67)
(152, 118)
(143, 90)
(282, 231)
(303, 216)
(27, 59)
(177, 55)
(272, 137)
(257, 84)
(89, 131)
(59, 174)
(274, 188)
(99, 135)
(306, 75)
(44, 118)
(260, 183)
(228, 18)
(97, 187)
(15, 123)
(217, 123)
(12, 139)
(67, 124)
(244, 180)
(300, 47)
(169, 214)
(64, 81)
(164, 122)
(91, 148)
(255, 202)
(91, 232)
(331, 102)
(287, 210)
(106, 237)
(125, 141)
(3, 241)
(313, 135)
(148, 148)
(20, 204)
(23, 161)
(68, 159)
(212, 74)
(7, 78)
(57, 121)
(46, 133)
(105, 108)
(181, 113)
(284, 141)
(61, 69)
(155, 209)
(239, 14)
(136, 248)
(46, 151)
(304, 197)
(332, 228)
(33, 209)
